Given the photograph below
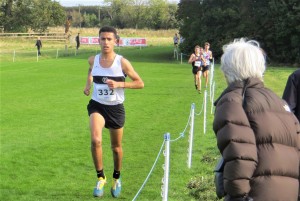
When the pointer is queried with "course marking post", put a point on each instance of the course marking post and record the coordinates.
(180, 58)
(204, 112)
(37, 56)
(14, 55)
(212, 97)
(57, 53)
(211, 74)
(166, 167)
(191, 136)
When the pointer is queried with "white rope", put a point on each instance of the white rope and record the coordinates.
(161, 148)
(200, 111)
(182, 133)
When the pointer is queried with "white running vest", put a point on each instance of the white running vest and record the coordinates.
(101, 92)
(206, 56)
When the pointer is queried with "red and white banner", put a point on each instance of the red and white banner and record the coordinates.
(122, 41)
(132, 42)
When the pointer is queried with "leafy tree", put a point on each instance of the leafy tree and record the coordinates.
(46, 13)
(89, 20)
(274, 23)
(21, 15)
(284, 32)
(116, 11)
(11, 20)
(158, 13)
(137, 14)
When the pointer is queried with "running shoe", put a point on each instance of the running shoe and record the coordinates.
(116, 187)
(99, 189)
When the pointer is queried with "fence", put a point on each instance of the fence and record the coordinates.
(57, 36)
(167, 140)
(46, 53)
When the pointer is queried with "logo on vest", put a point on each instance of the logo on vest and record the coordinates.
(104, 79)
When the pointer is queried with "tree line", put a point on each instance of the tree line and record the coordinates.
(138, 14)
(274, 23)
(22, 15)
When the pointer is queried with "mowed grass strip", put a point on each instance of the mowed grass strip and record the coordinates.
(45, 140)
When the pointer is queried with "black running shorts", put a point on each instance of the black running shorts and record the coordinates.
(205, 68)
(195, 69)
(114, 115)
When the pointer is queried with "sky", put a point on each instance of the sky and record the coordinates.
(70, 3)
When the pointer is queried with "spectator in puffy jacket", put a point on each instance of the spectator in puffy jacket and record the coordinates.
(257, 134)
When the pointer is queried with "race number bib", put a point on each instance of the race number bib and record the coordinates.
(198, 63)
(105, 94)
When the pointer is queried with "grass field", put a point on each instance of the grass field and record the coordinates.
(45, 143)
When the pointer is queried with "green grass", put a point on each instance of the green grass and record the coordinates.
(45, 142)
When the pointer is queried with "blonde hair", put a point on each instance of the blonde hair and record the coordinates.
(242, 59)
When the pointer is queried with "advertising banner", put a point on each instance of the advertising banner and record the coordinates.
(122, 41)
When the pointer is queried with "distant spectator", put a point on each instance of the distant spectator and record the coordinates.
(181, 39)
(291, 93)
(77, 39)
(118, 40)
(38, 44)
(175, 40)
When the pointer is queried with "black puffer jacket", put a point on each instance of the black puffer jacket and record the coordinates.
(259, 142)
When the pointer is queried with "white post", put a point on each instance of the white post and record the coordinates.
(191, 137)
(166, 168)
(211, 75)
(204, 112)
(212, 98)
(180, 58)
(37, 56)
(56, 53)
(14, 55)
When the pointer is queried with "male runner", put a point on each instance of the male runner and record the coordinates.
(107, 73)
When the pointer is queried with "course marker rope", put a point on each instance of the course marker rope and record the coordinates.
(139, 191)
(167, 138)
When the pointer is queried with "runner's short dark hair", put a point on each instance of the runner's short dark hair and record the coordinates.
(108, 29)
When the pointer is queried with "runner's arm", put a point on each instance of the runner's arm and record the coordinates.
(89, 79)
(135, 83)
(191, 59)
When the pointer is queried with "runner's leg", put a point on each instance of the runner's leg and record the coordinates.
(116, 136)
(97, 123)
